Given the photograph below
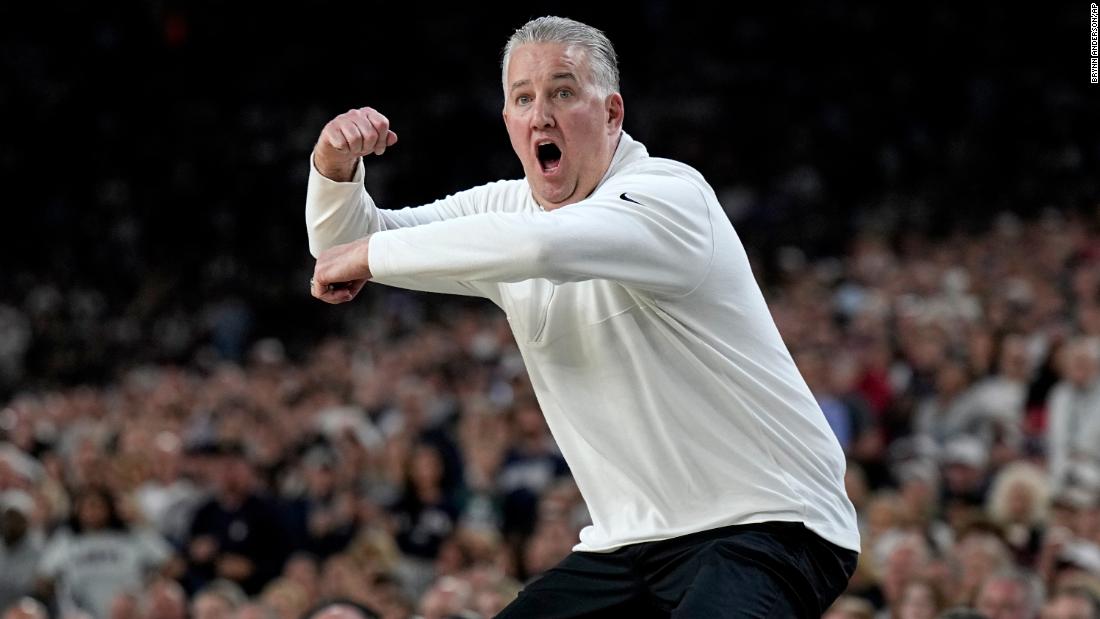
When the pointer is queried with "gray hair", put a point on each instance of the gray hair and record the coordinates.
(602, 60)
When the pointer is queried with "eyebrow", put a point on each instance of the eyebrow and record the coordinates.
(565, 75)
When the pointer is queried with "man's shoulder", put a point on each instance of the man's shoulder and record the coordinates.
(665, 179)
(663, 166)
(501, 195)
(659, 170)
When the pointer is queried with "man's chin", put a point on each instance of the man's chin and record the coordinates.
(553, 197)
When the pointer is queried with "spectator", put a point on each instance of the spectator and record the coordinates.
(218, 600)
(164, 599)
(1009, 595)
(1018, 503)
(86, 564)
(948, 413)
(1072, 603)
(168, 500)
(850, 607)
(529, 467)
(1074, 425)
(324, 517)
(900, 557)
(999, 400)
(980, 555)
(965, 463)
(21, 544)
(920, 599)
(231, 535)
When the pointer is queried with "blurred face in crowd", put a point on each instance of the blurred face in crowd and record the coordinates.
(211, 606)
(1003, 599)
(562, 127)
(124, 606)
(529, 422)
(320, 479)
(1014, 363)
(1081, 365)
(304, 571)
(425, 467)
(447, 597)
(902, 565)
(1021, 501)
(165, 599)
(1069, 607)
(340, 611)
(166, 457)
(235, 476)
(92, 511)
(848, 607)
(951, 379)
(918, 601)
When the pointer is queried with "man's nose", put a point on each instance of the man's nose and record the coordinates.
(543, 116)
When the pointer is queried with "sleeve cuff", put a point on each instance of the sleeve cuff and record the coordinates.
(377, 256)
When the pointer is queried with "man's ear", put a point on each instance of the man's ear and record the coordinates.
(614, 113)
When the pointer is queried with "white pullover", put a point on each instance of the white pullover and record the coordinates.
(654, 358)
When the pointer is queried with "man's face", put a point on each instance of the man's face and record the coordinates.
(563, 130)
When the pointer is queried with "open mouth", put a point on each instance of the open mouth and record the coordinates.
(549, 156)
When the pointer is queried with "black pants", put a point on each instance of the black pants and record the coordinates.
(774, 569)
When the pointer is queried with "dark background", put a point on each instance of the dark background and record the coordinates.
(154, 154)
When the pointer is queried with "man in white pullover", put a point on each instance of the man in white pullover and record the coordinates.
(714, 483)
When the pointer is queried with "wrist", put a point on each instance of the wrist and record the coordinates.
(341, 171)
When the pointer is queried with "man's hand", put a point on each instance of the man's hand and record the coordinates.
(348, 137)
(341, 272)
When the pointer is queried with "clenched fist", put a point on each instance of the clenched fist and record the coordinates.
(348, 137)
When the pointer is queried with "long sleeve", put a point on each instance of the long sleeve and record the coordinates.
(342, 212)
(649, 231)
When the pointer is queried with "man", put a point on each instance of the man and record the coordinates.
(714, 483)
(235, 535)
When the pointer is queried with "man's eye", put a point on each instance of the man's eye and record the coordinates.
(565, 94)
(523, 100)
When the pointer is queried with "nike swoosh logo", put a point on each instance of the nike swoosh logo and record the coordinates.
(623, 196)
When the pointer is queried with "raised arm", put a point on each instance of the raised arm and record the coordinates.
(338, 207)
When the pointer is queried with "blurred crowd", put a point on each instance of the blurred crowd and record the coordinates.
(405, 465)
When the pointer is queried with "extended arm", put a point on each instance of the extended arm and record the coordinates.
(339, 210)
(652, 232)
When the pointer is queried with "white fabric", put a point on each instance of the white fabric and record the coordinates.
(653, 355)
